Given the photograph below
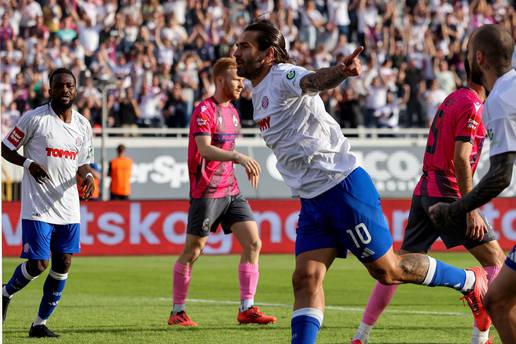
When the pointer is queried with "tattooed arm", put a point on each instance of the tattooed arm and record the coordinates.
(331, 77)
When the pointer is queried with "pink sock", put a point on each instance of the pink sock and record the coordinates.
(248, 274)
(182, 276)
(380, 298)
(492, 272)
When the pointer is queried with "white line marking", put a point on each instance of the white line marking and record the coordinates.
(333, 308)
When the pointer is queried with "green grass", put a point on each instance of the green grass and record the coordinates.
(127, 300)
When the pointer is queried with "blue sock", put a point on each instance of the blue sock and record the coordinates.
(18, 281)
(52, 290)
(442, 274)
(306, 323)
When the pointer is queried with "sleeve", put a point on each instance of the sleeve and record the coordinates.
(202, 120)
(86, 150)
(502, 135)
(290, 79)
(468, 123)
(21, 133)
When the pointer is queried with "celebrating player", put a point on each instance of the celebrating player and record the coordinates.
(340, 207)
(452, 153)
(489, 54)
(215, 197)
(57, 145)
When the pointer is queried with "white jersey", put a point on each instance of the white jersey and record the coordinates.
(313, 155)
(499, 115)
(60, 148)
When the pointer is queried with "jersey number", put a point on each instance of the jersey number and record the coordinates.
(436, 124)
(360, 233)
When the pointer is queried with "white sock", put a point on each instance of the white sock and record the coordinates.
(363, 331)
(4, 293)
(246, 304)
(179, 307)
(40, 321)
(479, 337)
(470, 281)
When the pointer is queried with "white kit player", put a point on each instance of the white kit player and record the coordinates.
(57, 145)
(489, 53)
(340, 207)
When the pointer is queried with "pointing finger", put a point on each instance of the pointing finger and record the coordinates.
(354, 55)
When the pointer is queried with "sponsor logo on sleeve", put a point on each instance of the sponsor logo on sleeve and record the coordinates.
(472, 124)
(202, 121)
(291, 74)
(15, 137)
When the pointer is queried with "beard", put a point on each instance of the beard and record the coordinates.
(476, 73)
(250, 69)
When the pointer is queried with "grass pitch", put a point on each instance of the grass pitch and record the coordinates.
(128, 300)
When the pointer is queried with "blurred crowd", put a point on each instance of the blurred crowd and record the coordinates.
(159, 53)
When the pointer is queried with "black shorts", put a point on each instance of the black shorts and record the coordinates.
(421, 232)
(205, 214)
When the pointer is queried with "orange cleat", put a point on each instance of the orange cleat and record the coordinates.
(357, 341)
(475, 299)
(254, 316)
(181, 319)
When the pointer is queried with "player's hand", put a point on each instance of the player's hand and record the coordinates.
(254, 179)
(440, 214)
(87, 187)
(351, 65)
(252, 167)
(38, 173)
(476, 226)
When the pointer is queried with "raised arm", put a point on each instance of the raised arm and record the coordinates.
(327, 78)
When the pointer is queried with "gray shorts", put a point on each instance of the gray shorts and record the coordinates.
(421, 232)
(205, 214)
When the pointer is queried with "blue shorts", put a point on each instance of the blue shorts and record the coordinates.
(511, 258)
(40, 238)
(346, 217)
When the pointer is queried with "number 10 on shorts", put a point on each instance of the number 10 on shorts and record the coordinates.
(360, 233)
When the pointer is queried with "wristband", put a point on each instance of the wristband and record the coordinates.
(27, 163)
(89, 174)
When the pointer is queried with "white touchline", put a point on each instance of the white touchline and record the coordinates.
(333, 308)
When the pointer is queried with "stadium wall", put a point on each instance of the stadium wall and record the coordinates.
(158, 227)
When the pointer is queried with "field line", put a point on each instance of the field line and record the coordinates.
(330, 307)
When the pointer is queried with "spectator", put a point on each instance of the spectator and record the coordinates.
(120, 169)
(434, 97)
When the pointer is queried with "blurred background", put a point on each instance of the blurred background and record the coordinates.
(143, 65)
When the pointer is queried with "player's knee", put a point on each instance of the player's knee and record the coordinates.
(303, 280)
(254, 246)
(36, 267)
(61, 264)
(191, 254)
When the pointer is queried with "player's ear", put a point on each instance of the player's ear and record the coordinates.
(270, 55)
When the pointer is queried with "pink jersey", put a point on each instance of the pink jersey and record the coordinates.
(458, 118)
(212, 179)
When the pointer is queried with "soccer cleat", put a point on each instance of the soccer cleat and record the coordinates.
(40, 331)
(254, 316)
(475, 299)
(5, 305)
(181, 319)
(357, 341)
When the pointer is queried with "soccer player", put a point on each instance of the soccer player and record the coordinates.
(452, 153)
(340, 207)
(215, 196)
(57, 145)
(489, 54)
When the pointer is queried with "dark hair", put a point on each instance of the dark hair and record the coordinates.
(60, 71)
(497, 43)
(120, 148)
(270, 36)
